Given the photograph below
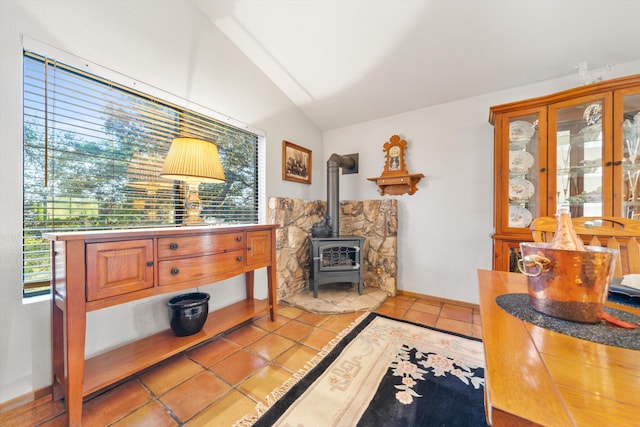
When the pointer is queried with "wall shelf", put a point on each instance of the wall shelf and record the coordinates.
(399, 184)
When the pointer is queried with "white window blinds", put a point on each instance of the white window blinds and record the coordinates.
(93, 151)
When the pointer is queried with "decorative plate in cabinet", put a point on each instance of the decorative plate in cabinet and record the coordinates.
(520, 161)
(520, 131)
(592, 114)
(520, 189)
(519, 216)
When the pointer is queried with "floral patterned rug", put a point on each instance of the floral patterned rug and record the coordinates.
(384, 371)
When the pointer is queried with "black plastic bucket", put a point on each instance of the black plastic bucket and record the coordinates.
(188, 313)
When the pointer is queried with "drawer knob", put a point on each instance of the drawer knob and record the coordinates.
(149, 263)
(239, 238)
(175, 271)
(173, 246)
(249, 248)
(239, 258)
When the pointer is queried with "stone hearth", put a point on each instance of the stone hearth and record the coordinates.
(336, 298)
(376, 220)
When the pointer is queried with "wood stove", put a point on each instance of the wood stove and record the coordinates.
(336, 260)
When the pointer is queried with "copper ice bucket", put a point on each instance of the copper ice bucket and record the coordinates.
(570, 285)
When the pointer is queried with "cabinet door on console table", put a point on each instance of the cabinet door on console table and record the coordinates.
(116, 268)
(258, 248)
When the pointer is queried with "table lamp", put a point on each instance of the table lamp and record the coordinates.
(194, 161)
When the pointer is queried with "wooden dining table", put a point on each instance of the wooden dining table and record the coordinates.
(535, 376)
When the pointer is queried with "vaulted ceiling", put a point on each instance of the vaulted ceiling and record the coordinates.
(348, 61)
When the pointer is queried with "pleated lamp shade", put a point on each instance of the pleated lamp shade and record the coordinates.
(192, 159)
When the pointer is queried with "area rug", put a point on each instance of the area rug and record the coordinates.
(384, 372)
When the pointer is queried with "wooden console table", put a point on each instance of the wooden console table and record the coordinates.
(534, 376)
(99, 269)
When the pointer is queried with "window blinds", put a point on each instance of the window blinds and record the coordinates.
(93, 151)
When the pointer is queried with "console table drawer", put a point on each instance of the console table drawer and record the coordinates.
(200, 269)
(172, 247)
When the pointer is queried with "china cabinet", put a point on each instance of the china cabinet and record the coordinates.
(578, 148)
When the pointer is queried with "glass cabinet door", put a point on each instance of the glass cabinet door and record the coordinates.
(630, 155)
(523, 160)
(576, 152)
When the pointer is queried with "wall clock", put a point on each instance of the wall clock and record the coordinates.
(394, 149)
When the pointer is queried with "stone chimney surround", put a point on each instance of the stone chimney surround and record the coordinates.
(376, 220)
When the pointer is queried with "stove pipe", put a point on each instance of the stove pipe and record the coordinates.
(349, 164)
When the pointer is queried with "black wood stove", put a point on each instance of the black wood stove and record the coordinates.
(335, 258)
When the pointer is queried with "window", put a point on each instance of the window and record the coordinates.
(93, 150)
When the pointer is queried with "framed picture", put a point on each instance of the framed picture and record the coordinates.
(296, 163)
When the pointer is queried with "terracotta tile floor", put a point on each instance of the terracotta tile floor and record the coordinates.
(221, 380)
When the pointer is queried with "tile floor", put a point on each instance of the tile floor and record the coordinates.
(221, 380)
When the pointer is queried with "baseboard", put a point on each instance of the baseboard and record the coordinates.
(442, 300)
(32, 396)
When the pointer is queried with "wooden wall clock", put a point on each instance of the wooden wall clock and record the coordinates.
(394, 153)
(395, 178)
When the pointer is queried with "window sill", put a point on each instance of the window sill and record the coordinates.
(36, 299)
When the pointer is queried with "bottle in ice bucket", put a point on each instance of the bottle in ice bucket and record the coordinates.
(565, 236)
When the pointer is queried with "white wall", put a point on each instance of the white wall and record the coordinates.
(444, 228)
(163, 43)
